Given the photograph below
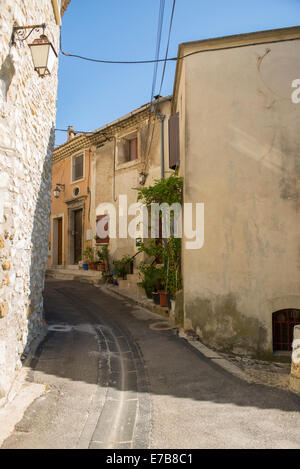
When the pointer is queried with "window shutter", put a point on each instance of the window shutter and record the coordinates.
(78, 168)
(174, 148)
(133, 149)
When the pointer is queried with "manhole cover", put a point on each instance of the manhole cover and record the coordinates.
(60, 328)
(161, 326)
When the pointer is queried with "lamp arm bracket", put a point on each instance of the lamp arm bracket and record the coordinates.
(19, 32)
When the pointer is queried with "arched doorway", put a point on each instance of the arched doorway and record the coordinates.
(283, 322)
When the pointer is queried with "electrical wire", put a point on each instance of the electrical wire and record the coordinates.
(158, 44)
(168, 45)
(124, 62)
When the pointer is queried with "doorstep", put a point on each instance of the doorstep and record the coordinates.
(88, 276)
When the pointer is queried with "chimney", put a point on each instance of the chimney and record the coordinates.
(71, 133)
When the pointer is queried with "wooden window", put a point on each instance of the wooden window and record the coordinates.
(132, 150)
(77, 168)
(106, 227)
(174, 146)
(128, 149)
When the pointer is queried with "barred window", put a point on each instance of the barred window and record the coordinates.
(283, 327)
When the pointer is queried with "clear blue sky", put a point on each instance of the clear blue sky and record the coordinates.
(91, 95)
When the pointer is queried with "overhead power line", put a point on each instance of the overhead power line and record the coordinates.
(102, 61)
(158, 44)
(168, 45)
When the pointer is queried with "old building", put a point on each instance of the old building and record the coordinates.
(70, 214)
(27, 122)
(239, 155)
(97, 168)
(131, 157)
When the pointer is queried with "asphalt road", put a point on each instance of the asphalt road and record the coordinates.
(114, 381)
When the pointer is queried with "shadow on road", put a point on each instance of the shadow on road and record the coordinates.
(174, 367)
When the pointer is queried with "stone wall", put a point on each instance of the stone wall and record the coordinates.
(27, 119)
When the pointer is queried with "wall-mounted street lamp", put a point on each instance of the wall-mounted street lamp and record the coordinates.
(57, 190)
(142, 178)
(42, 50)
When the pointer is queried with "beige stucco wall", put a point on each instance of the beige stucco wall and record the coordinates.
(27, 120)
(108, 184)
(242, 148)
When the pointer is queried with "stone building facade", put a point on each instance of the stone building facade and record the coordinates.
(108, 172)
(239, 156)
(27, 123)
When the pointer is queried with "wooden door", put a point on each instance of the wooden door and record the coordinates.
(77, 235)
(59, 241)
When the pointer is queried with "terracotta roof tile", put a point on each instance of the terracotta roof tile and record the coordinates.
(64, 6)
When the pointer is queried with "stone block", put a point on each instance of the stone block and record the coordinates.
(6, 265)
(3, 309)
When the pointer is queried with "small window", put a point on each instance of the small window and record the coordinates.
(77, 167)
(128, 149)
(283, 328)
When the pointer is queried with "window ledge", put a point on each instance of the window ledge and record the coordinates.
(128, 164)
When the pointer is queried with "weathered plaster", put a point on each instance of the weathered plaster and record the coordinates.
(240, 132)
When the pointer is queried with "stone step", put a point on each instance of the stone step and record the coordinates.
(60, 276)
(134, 277)
(132, 289)
(92, 277)
(72, 267)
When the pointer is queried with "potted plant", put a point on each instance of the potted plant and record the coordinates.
(89, 256)
(151, 279)
(124, 267)
(84, 262)
(101, 261)
(168, 251)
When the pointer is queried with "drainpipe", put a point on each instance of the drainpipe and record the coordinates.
(162, 151)
(161, 117)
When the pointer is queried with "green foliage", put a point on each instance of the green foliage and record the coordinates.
(152, 248)
(169, 251)
(88, 254)
(152, 277)
(163, 191)
(172, 266)
(103, 254)
(123, 266)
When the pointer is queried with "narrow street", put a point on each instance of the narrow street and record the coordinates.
(115, 382)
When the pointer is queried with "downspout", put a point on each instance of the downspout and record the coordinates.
(161, 117)
(114, 170)
(162, 151)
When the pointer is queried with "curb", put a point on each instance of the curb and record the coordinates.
(216, 358)
(141, 302)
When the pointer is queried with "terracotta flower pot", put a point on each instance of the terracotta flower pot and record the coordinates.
(163, 299)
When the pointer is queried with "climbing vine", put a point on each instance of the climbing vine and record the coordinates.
(169, 251)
